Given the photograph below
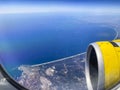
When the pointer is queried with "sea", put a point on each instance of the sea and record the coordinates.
(29, 39)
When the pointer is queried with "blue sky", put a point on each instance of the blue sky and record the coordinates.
(95, 2)
(66, 1)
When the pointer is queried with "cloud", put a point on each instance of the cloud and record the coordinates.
(26, 8)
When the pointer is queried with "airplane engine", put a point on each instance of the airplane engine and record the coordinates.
(102, 65)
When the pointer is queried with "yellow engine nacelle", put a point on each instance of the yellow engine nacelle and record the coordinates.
(102, 65)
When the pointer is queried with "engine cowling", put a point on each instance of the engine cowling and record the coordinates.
(102, 65)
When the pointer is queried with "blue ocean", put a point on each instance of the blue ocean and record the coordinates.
(28, 39)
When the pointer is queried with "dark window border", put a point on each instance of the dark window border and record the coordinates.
(10, 80)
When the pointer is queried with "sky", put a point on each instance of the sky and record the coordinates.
(28, 6)
(65, 1)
